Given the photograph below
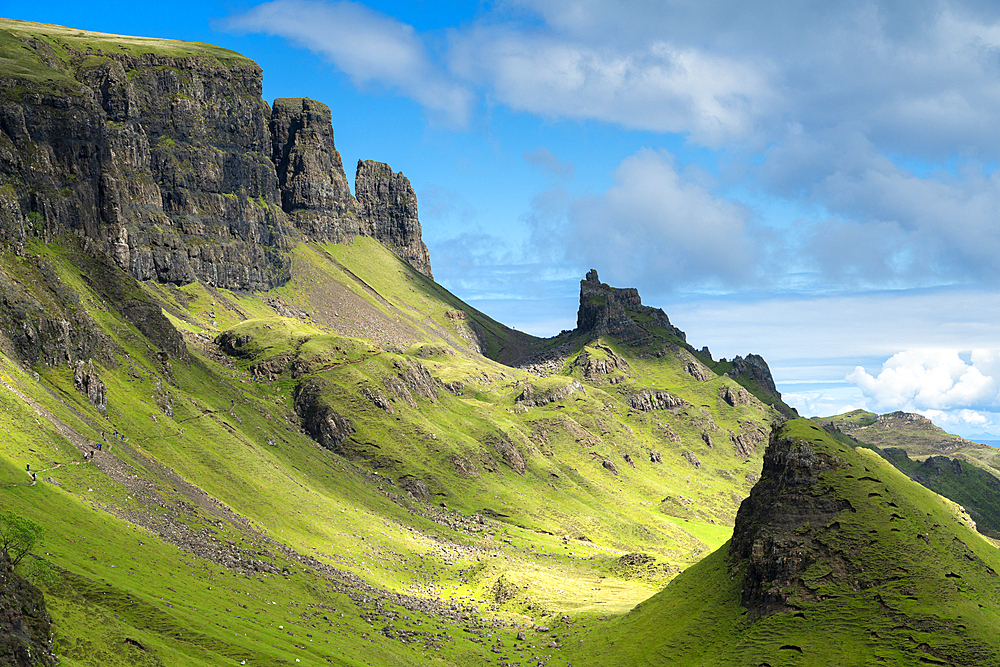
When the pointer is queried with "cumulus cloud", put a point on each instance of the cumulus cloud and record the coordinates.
(882, 223)
(660, 86)
(655, 225)
(821, 103)
(368, 46)
(915, 78)
(931, 380)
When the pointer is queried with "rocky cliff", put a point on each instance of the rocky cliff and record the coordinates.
(25, 625)
(389, 204)
(317, 198)
(166, 159)
(753, 371)
(617, 311)
(768, 536)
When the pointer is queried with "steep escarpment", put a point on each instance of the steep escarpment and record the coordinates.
(160, 161)
(315, 193)
(166, 159)
(317, 198)
(388, 202)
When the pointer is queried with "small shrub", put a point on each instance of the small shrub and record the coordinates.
(18, 536)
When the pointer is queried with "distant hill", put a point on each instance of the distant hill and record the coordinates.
(968, 485)
(918, 436)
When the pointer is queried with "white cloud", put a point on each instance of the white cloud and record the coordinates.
(660, 86)
(368, 46)
(928, 379)
(656, 225)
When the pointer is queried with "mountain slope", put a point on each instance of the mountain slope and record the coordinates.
(284, 399)
(918, 436)
(972, 487)
(262, 433)
(837, 559)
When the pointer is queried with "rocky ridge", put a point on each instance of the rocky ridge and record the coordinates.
(177, 170)
(610, 310)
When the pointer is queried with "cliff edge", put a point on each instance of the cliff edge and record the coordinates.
(164, 157)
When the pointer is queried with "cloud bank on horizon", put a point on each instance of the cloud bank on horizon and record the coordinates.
(827, 149)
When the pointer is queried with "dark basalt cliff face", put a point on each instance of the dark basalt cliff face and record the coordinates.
(389, 204)
(754, 369)
(314, 190)
(610, 310)
(768, 533)
(161, 162)
(177, 170)
(315, 194)
(25, 625)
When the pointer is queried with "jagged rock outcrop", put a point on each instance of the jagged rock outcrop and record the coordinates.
(602, 361)
(416, 486)
(532, 397)
(605, 310)
(748, 439)
(510, 453)
(735, 396)
(25, 624)
(696, 369)
(416, 378)
(88, 383)
(648, 400)
(768, 537)
(315, 193)
(387, 202)
(378, 399)
(754, 368)
(323, 424)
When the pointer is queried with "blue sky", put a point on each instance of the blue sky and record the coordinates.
(811, 181)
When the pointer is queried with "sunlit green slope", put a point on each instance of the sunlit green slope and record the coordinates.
(893, 574)
(468, 498)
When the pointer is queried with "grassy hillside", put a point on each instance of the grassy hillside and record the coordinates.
(357, 468)
(469, 501)
(898, 577)
(968, 485)
(914, 434)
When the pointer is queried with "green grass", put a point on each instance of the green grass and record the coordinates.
(906, 599)
(525, 547)
(559, 528)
